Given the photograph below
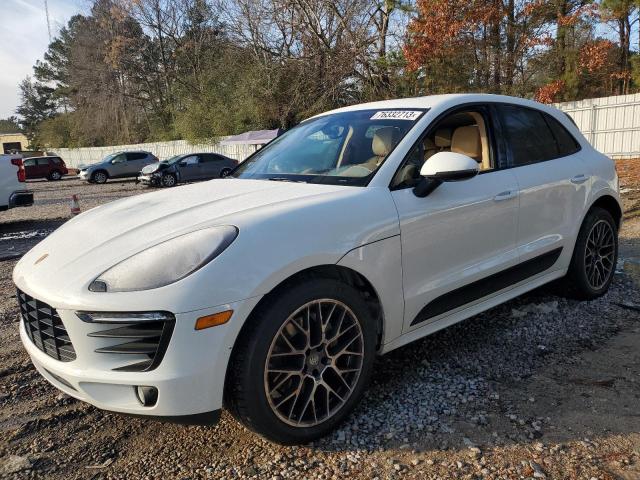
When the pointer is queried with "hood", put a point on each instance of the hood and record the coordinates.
(154, 167)
(94, 165)
(94, 241)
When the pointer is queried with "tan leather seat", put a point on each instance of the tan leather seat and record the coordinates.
(430, 148)
(466, 140)
(442, 138)
(384, 139)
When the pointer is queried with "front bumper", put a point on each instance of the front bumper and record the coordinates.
(151, 179)
(84, 175)
(189, 379)
(21, 199)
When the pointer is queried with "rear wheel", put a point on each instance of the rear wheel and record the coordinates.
(100, 176)
(304, 363)
(594, 257)
(225, 172)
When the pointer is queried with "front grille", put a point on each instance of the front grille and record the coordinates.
(45, 329)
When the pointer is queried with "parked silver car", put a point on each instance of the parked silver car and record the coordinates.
(117, 165)
(187, 168)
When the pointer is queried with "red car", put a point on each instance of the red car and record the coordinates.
(51, 168)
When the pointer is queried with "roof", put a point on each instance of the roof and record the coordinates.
(254, 137)
(433, 101)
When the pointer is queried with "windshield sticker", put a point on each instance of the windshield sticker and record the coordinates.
(396, 115)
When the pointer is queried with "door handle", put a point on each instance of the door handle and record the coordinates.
(506, 195)
(578, 179)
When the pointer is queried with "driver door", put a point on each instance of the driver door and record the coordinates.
(463, 233)
(189, 168)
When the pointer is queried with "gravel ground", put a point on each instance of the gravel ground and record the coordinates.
(541, 387)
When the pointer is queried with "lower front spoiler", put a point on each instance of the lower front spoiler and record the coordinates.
(205, 419)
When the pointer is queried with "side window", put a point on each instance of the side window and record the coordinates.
(121, 158)
(529, 138)
(29, 162)
(56, 160)
(136, 156)
(567, 145)
(190, 160)
(43, 161)
(209, 158)
(465, 131)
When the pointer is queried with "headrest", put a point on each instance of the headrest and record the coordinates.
(443, 137)
(466, 140)
(384, 139)
(429, 144)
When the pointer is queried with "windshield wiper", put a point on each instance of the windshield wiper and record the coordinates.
(285, 179)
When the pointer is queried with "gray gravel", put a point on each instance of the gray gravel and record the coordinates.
(541, 387)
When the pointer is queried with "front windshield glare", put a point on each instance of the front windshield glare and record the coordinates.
(343, 148)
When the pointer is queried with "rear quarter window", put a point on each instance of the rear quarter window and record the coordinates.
(567, 145)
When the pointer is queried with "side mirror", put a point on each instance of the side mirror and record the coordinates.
(445, 167)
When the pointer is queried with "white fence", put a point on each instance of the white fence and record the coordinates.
(611, 124)
(75, 157)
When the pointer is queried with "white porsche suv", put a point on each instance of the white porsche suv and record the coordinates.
(352, 234)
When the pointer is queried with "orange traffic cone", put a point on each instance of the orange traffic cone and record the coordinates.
(75, 206)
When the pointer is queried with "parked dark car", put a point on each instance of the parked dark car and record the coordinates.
(50, 167)
(117, 165)
(187, 168)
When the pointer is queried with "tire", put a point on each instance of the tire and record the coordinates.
(257, 396)
(594, 257)
(99, 177)
(54, 176)
(225, 172)
(168, 180)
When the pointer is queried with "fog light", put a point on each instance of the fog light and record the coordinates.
(148, 396)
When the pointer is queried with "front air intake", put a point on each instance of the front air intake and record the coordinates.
(143, 337)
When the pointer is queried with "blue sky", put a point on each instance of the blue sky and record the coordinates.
(24, 39)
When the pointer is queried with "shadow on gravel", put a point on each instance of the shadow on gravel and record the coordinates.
(465, 384)
(18, 237)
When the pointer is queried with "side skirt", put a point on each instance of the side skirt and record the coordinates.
(453, 318)
(486, 286)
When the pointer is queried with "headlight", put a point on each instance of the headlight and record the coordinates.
(166, 262)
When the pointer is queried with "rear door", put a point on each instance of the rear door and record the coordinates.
(210, 166)
(135, 162)
(552, 179)
(43, 166)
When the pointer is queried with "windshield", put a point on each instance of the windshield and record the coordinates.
(340, 148)
(110, 157)
(174, 159)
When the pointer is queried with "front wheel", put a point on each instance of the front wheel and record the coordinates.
(55, 175)
(595, 255)
(100, 177)
(304, 363)
(169, 180)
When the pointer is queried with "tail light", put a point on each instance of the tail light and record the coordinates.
(21, 173)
